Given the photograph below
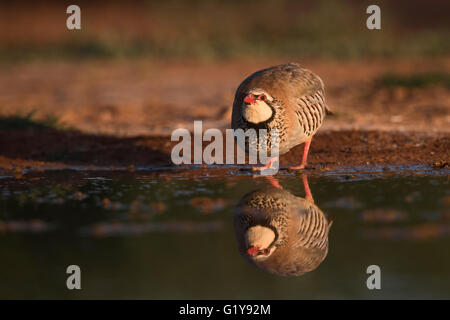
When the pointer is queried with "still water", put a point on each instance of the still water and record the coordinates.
(174, 235)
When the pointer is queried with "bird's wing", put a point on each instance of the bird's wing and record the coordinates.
(308, 111)
(312, 229)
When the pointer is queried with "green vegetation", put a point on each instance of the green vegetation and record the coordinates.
(211, 30)
(27, 121)
(415, 80)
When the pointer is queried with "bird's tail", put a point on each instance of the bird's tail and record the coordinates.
(328, 111)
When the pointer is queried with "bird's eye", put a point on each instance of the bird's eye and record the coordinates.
(262, 97)
(266, 251)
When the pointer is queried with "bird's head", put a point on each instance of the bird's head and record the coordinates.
(256, 106)
(260, 242)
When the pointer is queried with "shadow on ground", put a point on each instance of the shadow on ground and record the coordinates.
(22, 138)
(28, 143)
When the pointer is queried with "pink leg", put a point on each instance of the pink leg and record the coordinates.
(307, 190)
(266, 166)
(304, 158)
(273, 182)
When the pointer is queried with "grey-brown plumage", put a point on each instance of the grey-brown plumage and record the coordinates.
(301, 230)
(296, 99)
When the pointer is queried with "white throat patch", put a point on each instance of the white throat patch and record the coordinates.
(259, 236)
(256, 112)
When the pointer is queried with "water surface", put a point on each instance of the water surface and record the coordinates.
(170, 235)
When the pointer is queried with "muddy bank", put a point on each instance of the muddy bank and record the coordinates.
(43, 149)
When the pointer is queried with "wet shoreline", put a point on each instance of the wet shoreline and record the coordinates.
(41, 150)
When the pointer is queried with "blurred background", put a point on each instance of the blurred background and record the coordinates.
(147, 67)
(217, 30)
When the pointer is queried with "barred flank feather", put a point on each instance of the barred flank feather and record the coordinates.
(311, 112)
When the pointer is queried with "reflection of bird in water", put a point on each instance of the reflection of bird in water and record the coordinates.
(281, 233)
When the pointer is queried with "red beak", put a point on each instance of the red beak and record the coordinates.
(249, 99)
(252, 251)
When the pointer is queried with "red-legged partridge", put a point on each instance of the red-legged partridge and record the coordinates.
(286, 97)
(281, 233)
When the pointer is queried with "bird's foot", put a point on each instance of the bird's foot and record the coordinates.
(258, 169)
(298, 167)
(267, 169)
